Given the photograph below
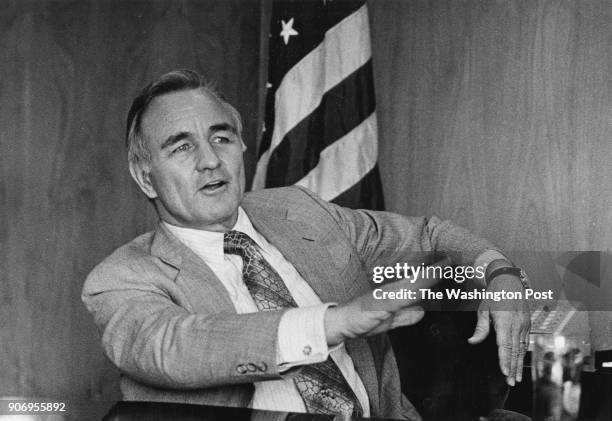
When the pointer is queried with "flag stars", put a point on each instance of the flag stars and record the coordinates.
(268, 85)
(287, 30)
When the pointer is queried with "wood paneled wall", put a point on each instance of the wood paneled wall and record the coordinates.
(68, 72)
(497, 115)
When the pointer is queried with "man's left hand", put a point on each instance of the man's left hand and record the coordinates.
(512, 321)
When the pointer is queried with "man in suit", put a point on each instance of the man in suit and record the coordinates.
(264, 299)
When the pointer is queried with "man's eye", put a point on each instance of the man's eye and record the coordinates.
(182, 148)
(221, 139)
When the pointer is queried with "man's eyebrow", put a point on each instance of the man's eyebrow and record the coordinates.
(222, 127)
(175, 138)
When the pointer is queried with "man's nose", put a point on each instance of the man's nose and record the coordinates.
(207, 157)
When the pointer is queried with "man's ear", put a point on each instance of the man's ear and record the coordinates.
(142, 176)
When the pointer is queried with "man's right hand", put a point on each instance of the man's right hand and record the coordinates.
(365, 315)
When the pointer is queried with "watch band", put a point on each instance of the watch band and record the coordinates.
(509, 270)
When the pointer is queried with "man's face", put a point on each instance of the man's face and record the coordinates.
(196, 172)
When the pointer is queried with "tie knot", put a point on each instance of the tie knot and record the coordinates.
(236, 242)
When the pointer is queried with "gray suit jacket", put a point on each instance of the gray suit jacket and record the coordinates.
(170, 327)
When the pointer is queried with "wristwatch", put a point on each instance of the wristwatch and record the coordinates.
(509, 270)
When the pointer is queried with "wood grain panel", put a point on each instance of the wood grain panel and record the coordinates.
(69, 70)
(496, 114)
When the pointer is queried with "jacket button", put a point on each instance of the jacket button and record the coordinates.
(251, 367)
(262, 366)
(240, 368)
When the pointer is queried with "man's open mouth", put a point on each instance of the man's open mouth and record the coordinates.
(214, 186)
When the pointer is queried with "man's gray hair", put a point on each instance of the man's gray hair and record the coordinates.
(175, 81)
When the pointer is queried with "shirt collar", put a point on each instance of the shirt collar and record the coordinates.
(209, 244)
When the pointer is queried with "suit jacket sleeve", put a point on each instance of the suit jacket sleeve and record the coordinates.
(385, 238)
(151, 332)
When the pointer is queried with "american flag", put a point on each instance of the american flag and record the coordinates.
(320, 128)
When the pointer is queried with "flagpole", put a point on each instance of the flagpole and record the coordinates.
(264, 29)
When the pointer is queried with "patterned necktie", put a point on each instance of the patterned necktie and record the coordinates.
(322, 386)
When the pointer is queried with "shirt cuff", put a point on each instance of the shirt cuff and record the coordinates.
(301, 337)
(483, 261)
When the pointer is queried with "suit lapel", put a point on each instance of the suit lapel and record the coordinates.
(206, 292)
(301, 246)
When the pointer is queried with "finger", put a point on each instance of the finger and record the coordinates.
(377, 318)
(524, 347)
(404, 317)
(381, 327)
(514, 353)
(407, 316)
(482, 327)
(520, 361)
(504, 343)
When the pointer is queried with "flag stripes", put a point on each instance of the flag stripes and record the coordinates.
(344, 162)
(345, 49)
(315, 20)
(341, 109)
(320, 127)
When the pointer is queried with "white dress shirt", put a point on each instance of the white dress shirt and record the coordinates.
(301, 332)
